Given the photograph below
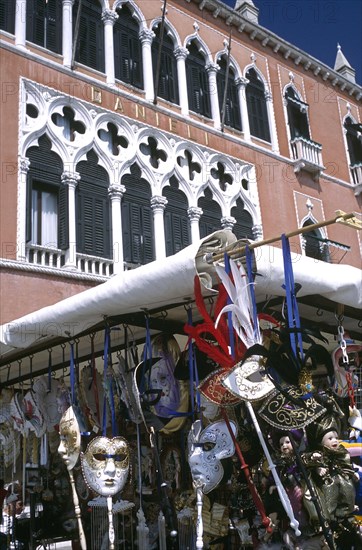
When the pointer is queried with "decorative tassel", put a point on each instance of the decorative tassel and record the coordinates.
(142, 531)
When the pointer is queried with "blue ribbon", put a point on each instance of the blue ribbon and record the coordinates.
(249, 271)
(50, 371)
(230, 322)
(292, 305)
(108, 386)
(72, 374)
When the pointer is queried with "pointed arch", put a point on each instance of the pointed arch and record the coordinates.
(136, 12)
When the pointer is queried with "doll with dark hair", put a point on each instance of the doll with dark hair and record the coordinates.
(335, 480)
(295, 486)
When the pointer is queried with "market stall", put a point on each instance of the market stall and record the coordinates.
(107, 352)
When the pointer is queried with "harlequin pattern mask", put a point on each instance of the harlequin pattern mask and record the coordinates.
(206, 448)
(69, 446)
(105, 465)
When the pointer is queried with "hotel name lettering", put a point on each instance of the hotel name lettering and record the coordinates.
(155, 118)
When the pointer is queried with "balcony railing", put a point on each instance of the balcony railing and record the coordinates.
(356, 173)
(56, 258)
(307, 155)
(44, 256)
(94, 265)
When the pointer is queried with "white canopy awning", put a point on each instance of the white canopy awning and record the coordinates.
(169, 282)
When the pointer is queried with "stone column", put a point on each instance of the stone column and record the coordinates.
(67, 32)
(116, 192)
(228, 222)
(146, 37)
(241, 84)
(181, 54)
(271, 119)
(158, 205)
(212, 69)
(20, 23)
(24, 164)
(71, 179)
(257, 232)
(109, 18)
(194, 213)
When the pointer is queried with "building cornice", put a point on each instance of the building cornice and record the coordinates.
(280, 46)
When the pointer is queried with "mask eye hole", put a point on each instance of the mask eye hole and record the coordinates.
(100, 457)
(208, 446)
(120, 457)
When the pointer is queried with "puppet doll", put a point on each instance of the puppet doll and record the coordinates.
(335, 480)
(295, 486)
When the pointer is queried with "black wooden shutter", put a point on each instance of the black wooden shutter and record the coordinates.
(93, 228)
(7, 15)
(90, 45)
(128, 50)
(54, 26)
(210, 220)
(137, 220)
(63, 217)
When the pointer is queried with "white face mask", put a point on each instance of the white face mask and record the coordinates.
(105, 465)
(69, 446)
(206, 449)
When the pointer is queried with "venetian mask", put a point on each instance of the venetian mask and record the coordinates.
(105, 465)
(69, 446)
(206, 448)
(162, 379)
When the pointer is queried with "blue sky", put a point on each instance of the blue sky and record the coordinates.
(316, 26)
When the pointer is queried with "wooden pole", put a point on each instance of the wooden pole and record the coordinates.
(235, 251)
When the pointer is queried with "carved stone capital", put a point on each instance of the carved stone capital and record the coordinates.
(181, 53)
(70, 178)
(24, 164)
(241, 82)
(194, 213)
(109, 16)
(257, 232)
(146, 36)
(116, 191)
(212, 68)
(158, 202)
(228, 222)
